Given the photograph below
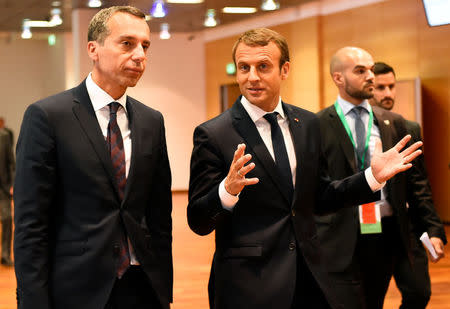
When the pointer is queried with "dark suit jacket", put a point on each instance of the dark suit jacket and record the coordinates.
(6, 164)
(68, 214)
(338, 232)
(258, 242)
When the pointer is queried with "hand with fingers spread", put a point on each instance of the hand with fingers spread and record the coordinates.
(386, 165)
(236, 181)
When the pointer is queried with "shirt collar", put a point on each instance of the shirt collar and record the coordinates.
(100, 98)
(257, 113)
(347, 106)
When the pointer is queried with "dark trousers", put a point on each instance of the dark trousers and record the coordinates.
(381, 257)
(414, 284)
(308, 294)
(6, 220)
(133, 291)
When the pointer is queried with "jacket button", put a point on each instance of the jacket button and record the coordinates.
(116, 249)
(293, 212)
(292, 246)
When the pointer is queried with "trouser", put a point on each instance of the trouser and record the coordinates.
(382, 256)
(133, 291)
(6, 220)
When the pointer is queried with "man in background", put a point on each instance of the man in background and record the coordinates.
(8, 130)
(414, 284)
(363, 245)
(92, 189)
(6, 180)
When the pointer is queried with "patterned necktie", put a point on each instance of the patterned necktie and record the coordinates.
(279, 149)
(115, 144)
(360, 137)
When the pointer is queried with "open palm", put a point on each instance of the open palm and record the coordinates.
(386, 165)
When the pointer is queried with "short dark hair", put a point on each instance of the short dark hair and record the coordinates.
(382, 68)
(262, 37)
(98, 28)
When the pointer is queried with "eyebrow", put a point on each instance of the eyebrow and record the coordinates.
(132, 38)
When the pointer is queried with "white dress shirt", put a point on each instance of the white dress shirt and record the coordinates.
(100, 100)
(257, 115)
(385, 207)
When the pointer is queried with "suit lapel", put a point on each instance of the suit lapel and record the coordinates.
(385, 127)
(85, 114)
(247, 129)
(344, 140)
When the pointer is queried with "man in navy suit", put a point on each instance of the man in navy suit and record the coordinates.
(257, 177)
(414, 284)
(92, 192)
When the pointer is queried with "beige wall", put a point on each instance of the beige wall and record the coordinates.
(393, 31)
(31, 70)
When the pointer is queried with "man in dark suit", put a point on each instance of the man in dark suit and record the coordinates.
(8, 131)
(92, 192)
(414, 284)
(256, 179)
(6, 180)
(363, 245)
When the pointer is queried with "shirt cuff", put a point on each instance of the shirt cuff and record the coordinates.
(373, 183)
(228, 200)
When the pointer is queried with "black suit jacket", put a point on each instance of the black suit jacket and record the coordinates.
(257, 244)
(338, 232)
(68, 214)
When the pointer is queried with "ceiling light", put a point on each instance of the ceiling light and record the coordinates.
(158, 10)
(94, 3)
(270, 5)
(56, 17)
(210, 19)
(37, 23)
(238, 10)
(185, 1)
(164, 34)
(26, 32)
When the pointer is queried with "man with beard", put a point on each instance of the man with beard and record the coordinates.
(362, 244)
(414, 285)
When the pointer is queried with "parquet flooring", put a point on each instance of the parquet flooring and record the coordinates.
(192, 259)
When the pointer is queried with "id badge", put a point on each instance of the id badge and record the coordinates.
(370, 218)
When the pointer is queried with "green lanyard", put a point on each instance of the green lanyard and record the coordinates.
(349, 132)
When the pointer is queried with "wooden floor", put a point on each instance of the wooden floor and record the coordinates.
(192, 259)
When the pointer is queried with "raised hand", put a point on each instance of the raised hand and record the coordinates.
(236, 181)
(386, 165)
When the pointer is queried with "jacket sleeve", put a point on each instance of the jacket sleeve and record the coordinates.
(208, 169)
(421, 206)
(34, 189)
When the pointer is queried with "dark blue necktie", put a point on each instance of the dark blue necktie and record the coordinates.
(115, 144)
(279, 149)
(360, 129)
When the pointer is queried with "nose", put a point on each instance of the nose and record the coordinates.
(253, 75)
(370, 75)
(139, 54)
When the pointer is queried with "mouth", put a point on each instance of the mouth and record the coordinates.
(255, 90)
(135, 71)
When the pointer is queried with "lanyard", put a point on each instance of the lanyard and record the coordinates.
(349, 132)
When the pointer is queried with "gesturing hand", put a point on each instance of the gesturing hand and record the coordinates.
(236, 181)
(386, 165)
